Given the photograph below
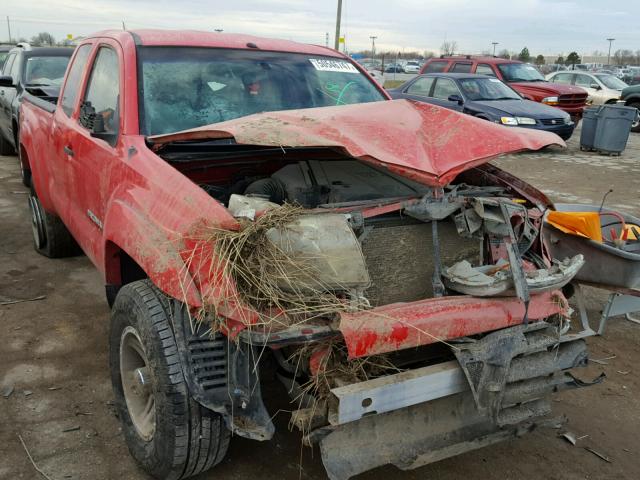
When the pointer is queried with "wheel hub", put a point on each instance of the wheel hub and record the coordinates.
(137, 383)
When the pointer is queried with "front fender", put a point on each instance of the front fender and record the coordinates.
(152, 249)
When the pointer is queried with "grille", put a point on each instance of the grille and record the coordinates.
(572, 99)
(399, 256)
(209, 361)
(552, 121)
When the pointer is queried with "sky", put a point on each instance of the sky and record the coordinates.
(547, 27)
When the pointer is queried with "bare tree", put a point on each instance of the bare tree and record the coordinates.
(43, 38)
(448, 47)
(504, 53)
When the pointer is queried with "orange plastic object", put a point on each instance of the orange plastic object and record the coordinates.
(584, 224)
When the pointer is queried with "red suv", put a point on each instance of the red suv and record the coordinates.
(522, 77)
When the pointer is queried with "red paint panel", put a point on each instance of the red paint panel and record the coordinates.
(423, 142)
(407, 325)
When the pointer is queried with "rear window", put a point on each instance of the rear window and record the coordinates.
(45, 71)
(187, 87)
(72, 86)
(484, 69)
(461, 68)
(435, 67)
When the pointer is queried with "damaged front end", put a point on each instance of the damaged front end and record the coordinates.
(412, 316)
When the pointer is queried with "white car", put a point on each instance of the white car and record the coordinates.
(601, 87)
(412, 67)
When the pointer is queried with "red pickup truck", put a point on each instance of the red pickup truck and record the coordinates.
(251, 199)
(523, 78)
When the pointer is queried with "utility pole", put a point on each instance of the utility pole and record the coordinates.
(610, 40)
(326, 39)
(338, 17)
(123, 27)
(494, 47)
(373, 48)
(9, 28)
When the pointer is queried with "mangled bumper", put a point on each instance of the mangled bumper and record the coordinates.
(499, 388)
(406, 325)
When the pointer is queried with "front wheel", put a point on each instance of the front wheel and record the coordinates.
(169, 434)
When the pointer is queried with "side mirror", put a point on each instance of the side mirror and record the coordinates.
(456, 98)
(595, 86)
(6, 81)
(94, 122)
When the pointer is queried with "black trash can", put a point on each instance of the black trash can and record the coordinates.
(589, 126)
(613, 127)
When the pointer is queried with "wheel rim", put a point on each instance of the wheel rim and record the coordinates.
(136, 384)
(37, 225)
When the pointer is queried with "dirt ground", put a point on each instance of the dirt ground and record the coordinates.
(54, 353)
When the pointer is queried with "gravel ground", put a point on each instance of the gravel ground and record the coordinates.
(54, 354)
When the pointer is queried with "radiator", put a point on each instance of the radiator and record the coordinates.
(399, 256)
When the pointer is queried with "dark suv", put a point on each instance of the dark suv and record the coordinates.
(38, 70)
(522, 77)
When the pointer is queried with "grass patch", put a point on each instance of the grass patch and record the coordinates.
(393, 83)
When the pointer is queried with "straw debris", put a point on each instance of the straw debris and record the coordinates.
(282, 287)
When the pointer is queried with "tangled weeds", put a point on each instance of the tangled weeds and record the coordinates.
(283, 287)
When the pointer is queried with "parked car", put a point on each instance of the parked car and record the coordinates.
(631, 98)
(4, 53)
(38, 71)
(523, 78)
(412, 67)
(339, 207)
(601, 87)
(487, 98)
(394, 68)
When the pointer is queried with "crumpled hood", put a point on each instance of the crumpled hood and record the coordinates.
(425, 142)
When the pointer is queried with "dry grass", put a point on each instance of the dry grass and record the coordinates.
(283, 288)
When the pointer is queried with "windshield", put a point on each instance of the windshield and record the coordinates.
(185, 87)
(45, 70)
(611, 81)
(520, 72)
(479, 89)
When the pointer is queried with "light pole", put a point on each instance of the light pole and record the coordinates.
(494, 47)
(373, 49)
(610, 40)
(338, 17)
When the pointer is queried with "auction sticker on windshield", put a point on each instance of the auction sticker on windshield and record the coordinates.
(332, 65)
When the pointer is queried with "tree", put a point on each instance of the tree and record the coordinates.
(43, 38)
(560, 60)
(572, 59)
(539, 60)
(524, 55)
(428, 54)
(623, 57)
(504, 53)
(448, 47)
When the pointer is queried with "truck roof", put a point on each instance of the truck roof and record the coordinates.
(476, 58)
(195, 38)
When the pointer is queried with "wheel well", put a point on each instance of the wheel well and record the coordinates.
(121, 269)
(611, 101)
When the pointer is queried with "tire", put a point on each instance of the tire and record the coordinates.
(636, 126)
(5, 147)
(50, 236)
(169, 434)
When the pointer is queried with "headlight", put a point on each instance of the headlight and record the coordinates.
(318, 253)
(567, 120)
(508, 121)
(550, 100)
(525, 121)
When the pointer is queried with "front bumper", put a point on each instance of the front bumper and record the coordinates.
(407, 325)
(498, 389)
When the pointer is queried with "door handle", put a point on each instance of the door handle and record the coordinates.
(68, 151)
